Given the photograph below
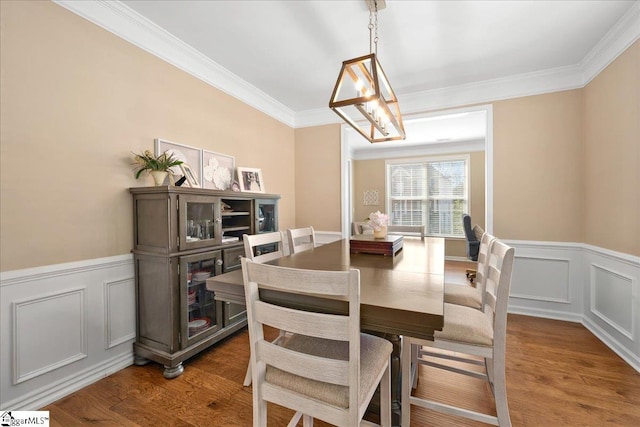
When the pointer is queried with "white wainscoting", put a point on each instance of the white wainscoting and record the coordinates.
(63, 327)
(581, 283)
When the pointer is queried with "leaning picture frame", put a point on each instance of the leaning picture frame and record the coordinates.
(192, 156)
(217, 170)
(189, 175)
(250, 180)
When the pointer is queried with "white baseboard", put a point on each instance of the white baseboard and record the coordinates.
(52, 392)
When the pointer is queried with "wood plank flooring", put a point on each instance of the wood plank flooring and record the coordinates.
(558, 374)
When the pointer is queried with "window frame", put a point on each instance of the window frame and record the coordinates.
(466, 157)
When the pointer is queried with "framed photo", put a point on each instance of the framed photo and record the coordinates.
(190, 155)
(217, 170)
(190, 175)
(251, 180)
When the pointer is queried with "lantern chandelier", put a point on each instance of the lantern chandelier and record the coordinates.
(363, 90)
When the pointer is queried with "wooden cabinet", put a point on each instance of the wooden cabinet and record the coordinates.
(182, 236)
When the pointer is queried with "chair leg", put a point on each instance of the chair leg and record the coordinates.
(385, 397)
(406, 356)
(259, 410)
(415, 351)
(500, 392)
(247, 376)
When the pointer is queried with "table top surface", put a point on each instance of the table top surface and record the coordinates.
(395, 291)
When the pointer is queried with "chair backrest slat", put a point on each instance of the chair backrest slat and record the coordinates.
(333, 371)
(302, 322)
(254, 240)
(301, 239)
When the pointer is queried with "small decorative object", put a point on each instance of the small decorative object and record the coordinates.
(370, 198)
(185, 153)
(158, 166)
(190, 175)
(251, 180)
(379, 221)
(235, 186)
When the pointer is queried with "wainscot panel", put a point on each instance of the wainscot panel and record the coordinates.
(581, 283)
(63, 327)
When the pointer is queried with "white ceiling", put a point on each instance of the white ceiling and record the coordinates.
(283, 56)
(293, 50)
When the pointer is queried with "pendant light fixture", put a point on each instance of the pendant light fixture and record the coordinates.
(363, 96)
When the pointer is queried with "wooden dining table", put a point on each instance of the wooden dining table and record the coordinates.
(400, 295)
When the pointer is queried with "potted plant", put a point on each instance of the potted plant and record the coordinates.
(158, 167)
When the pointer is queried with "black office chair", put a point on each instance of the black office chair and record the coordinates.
(473, 244)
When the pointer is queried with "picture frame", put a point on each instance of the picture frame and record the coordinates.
(250, 180)
(192, 156)
(218, 170)
(190, 175)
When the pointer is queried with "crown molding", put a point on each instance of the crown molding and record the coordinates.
(124, 22)
(617, 40)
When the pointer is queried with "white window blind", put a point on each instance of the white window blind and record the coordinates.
(429, 192)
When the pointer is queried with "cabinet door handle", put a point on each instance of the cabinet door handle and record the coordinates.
(239, 258)
(219, 262)
(218, 220)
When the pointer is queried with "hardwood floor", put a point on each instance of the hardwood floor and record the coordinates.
(558, 374)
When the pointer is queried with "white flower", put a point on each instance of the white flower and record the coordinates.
(378, 220)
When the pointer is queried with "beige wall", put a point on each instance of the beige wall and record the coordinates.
(538, 167)
(76, 100)
(317, 162)
(612, 155)
(371, 175)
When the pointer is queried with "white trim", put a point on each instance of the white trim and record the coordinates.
(567, 300)
(21, 330)
(124, 22)
(612, 343)
(15, 277)
(54, 391)
(592, 284)
(111, 306)
(617, 40)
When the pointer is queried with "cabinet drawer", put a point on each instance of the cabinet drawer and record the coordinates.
(231, 258)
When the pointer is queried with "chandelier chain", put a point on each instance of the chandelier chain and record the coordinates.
(373, 25)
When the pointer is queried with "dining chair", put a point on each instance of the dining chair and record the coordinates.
(301, 239)
(402, 229)
(472, 235)
(468, 334)
(325, 368)
(253, 246)
(468, 295)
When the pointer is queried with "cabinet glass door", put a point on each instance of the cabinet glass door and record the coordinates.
(201, 314)
(199, 221)
(266, 216)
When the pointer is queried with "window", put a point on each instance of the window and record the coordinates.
(432, 192)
